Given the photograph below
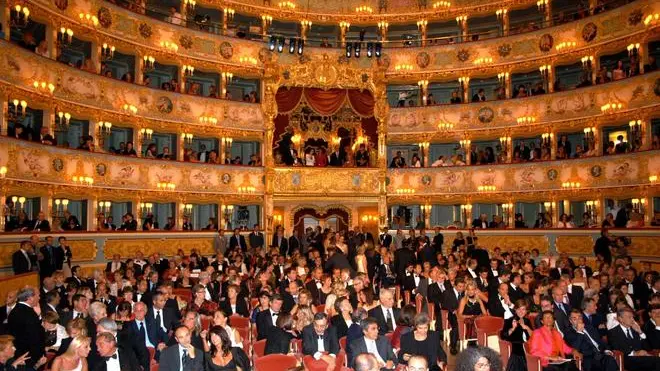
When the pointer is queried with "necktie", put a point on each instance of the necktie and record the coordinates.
(158, 318)
(79, 315)
(390, 323)
(630, 335)
(320, 337)
(143, 332)
(114, 356)
(184, 358)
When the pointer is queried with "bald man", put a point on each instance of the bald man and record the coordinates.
(182, 356)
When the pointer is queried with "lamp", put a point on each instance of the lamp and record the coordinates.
(190, 5)
(463, 81)
(565, 45)
(208, 120)
(571, 185)
(227, 141)
(466, 213)
(500, 13)
(504, 142)
(633, 49)
(145, 134)
(187, 138)
(83, 180)
(266, 20)
(187, 210)
(248, 60)
(465, 144)
(228, 211)
(20, 16)
(383, 26)
(169, 46)
(545, 72)
(405, 191)
(105, 128)
(166, 186)
(461, 19)
(426, 209)
(87, 19)
(17, 200)
(105, 207)
(62, 120)
(651, 19)
(653, 179)
(65, 36)
(148, 63)
(227, 76)
(638, 205)
(541, 4)
(546, 138)
(146, 207)
(611, 107)
(526, 120)
(592, 208)
(364, 9)
(305, 23)
(44, 87)
(246, 189)
(483, 61)
(3, 172)
(17, 111)
(61, 205)
(188, 70)
(229, 13)
(107, 52)
(422, 23)
(486, 188)
(403, 67)
(445, 126)
(441, 5)
(129, 109)
(286, 5)
(587, 62)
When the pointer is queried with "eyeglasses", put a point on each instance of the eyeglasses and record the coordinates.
(412, 368)
(482, 365)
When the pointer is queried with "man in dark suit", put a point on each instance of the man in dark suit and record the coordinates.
(385, 238)
(256, 238)
(51, 257)
(374, 343)
(74, 279)
(114, 358)
(384, 314)
(25, 326)
(500, 303)
(146, 333)
(240, 308)
(336, 159)
(160, 315)
(182, 356)
(451, 298)
(480, 222)
(402, 258)
(651, 327)
(237, 240)
(586, 340)
(267, 318)
(591, 316)
(280, 241)
(416, 283)
(115, 264)
(10, 304)
(20, 260)
(627, 338)
(575, 293)
(337, 260)
(515, 292)
(41, 224)
(314, 285)
(294, 243)
(438, 241)
(602, 247)
(319, 340)
(561, 309)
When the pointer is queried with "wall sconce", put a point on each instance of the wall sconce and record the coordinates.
(227, 211)
(166, 186)
(426, 209)
(248, 60)
(286, 5)
(107, 52)
(65, 36)
(565, 45)
(462, 20)
(44, 86)
(592, 208)
(571, 185)
(369, 218)
(549, 206)
(638, 205)
(545, 72)
(633, 49)
(227, 76)
(502, 77)
(146, 207)
(266, 20)
(188, 70)
(441, 5)
(277, 219)
(208, 120)
(169, 47)
(82, 180)
(305, 23)
(20, 200)
(229, 13)
(500, 13)
(504, 142)
(526, 120)
(653, 179)
(465, 144)
(546, 138)
(589, 133)
(344, 26)
(507, 208)
(651, 19)
(187, 138)
(445, 126)
(541, 4)
(17, 110)
(3, 172)
(422, 23)
(486, 188)
(104, 206)
(364, 9)
(62, 121)
(61, 205)
(20, 16)
(587, 62)
(88, 19)
(105, 128)
(148, 63)
(383, 26)
(129, 109)
(405, 191)
(463, 82)
(466, 213)
(482, 61)
(611, 107)
(246, 189)
(403, 67)
(635, 125)
(187, 210)
(424, 146)
(146, 134)
(190, 5)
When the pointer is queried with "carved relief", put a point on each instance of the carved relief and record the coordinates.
(574, 244)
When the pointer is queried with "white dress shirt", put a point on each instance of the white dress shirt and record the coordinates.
(385, 311)
(112, 364)
(147, 342)
(373, 349)
(162, 323)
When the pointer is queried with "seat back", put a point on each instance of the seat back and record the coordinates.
(419, 303)
(185, 294)
(274, 362)
(259, 348)
(206, 322)
(533, 362)
(245, 337)
(444, 313)
(320, 308)
(237, 321)
(312, 364)
(406, 297)
(342, 342)
(487, 326)
(505, 352)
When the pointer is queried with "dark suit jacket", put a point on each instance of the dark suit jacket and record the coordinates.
(20, 263)
(311, 287)
(495, 307)
(581, 342)
(256, 239)
(108, 266)
(619, 341)
(294, 244)
(385, 239)
(277, 341)
(127, 361)
(652, 335)
(377, 313)
(562, 318)
(340, 326)
(402, 258)
(383, 345)
(264, 323)
(449, 300)
(338, 260)
(233, 242)
(169, 318)
(408, 346)
(25, 326)
(241, 307)
(283, 245)
(576, 296)
(515, 294)
(310, 340)
(171, 361)
(51, 260)
(44, 226)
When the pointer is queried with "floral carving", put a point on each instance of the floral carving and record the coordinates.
(62, 4)
(105, 17)
(145, 30)
(423, 59)
(186, 41)
(504, 50)
(486, 115)
(546, 42)
(635, 17)
(589, 32)
(384, 61)
(463, 55)
(32, 162)
(126, 172)
(226, 50)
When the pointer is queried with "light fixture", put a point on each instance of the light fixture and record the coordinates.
(464, 81)
(635, 124)
(104, 206)
(148, 63)
(356, 49)
(611, 107)
(504, 142)
(546, 138)
(424, 146)
(129, 109)
(638, 205)
(43, 86)
(266, 19)
(526, 120)
(571, 185)
(305, 23)
(20, 16)
(187, 210)
(441, 5)
(653, 179)
(17, 110)
(88, 19)
(166, 186)
(541, 4)
(482, 61)
(188, 70)
(82, 180)
(62, 120)
(187, 138)
(105, 128)
(190, 5)
(229, 13)
(422, 23)
(591, 206)
(549, 205)
(651, 19)
(364, 9)
(107, 52)
(227, 76)
(277, 219)
(403, 67)
(500, 13)
(368, 218)
(486, 188)
(633, 49)
(545, 71)
(507, 207)
(146, 207)
(462, 19)
(423, 84)
(3, 171)
(465, 143)
(587, 62)
(61, 205)
(292, 45)
(383, 26)
(445, 126)
(65, 36)
(286, 5)
(589, 132)
(227, 211)
(146, 134)
(502, 77)
(565, 45)
(208, 120)
(20, 200)
(466, 213)
(344, 25)
(405, 191)
(169, 46)
(246, 189)
(248, 60)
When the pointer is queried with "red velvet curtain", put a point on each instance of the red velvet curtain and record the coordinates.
(299, 226)
(288, 98)
(362, 102)
(325, 102)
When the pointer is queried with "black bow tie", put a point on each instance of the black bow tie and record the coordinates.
(320, 337)
(114, 356)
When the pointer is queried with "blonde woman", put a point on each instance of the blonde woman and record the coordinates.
(75, 357)
(361, 259)
(330, 305)
(304, 317)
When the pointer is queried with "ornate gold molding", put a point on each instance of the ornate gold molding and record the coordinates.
(164, 246)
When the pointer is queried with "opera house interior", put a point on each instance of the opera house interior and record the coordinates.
(329, 185)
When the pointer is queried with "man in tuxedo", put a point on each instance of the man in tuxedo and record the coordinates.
(384, 314)
(319, 340)
(113, 358)
(80, 309)
(575, 293)
(281, 242)
(586, 270)
(628, 338)
(74, 279)
(385, 238)
(403, 257)
(500, 304)
(182, 356)
(650, 328)
(267, 318)
(41, 224)
(585, 339)
(438, 241)
(290, 296)
(51, 258)
(256, 237)
(416, 283)
(561, 309)
(314, 285)
(20, 260)
(336, 159)
(374, 343)
(294, 243)
(337, 260)
(24, 325)
(115, 264)
(160, 315)
(515, 292)
(451, 298)
(5, 310)
(481, 222)
(237, 240)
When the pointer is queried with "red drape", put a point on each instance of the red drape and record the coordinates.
(288, 99)
(325, 102)
(299, 226)
(362, 102)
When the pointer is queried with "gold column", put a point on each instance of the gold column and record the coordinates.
(222, 149)
(427, 217)
(553, 146)
(180, 146)
(343, 29)
(3, 201)
(137, 140)
(647, 203)
(598, 143)
(551, 79)
(4, 109)
(51, 40)
(96, 134)
(505, 23)
(647, 134)
(138, 73)
(182, 79)
(96, 56)
(46, 202)
(225, 19)
(184, 13)
(137, 210)
(4, 19)
(592, 6)
(92, 211)
(48, 121)
(595, 66)
(463, 23)
(422, 26)
(223, 87)
(548, 13)
(643, 56)
(567, 207)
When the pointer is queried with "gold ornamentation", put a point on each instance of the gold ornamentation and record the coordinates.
(10, 283)
(163, 246)
(574, 244)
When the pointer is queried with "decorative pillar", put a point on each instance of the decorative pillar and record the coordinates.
(427, 216)
(182, 78)
(4, 109)
(382, 211)
(184, 13)
(463, 24)
(137, 140)
(505, 23)
(647, 134)
(553, 146)
(422, 26)
(4, 19)
(223, 86)
(550, 78)
(305, 25)
(95, 133)
(48, 121)
(45, 203)
(222, 150)
(382, 27)
(180, 147)
(92, 211)
(643, 56)
(598, 144)
(51, 40)
(592, 6)
(343, 29)
(595, 67)
(464, 83)
(137, 210)
(3, 216)
(96, 56)
(567, 206)
(225, 19)
(138, 73)
(647, 207)
(547, 13)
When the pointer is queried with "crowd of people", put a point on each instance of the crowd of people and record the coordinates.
(328, 294)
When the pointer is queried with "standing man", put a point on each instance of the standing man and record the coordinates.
(237, 240)
(20, 260)
(25, 326)
(256, 238)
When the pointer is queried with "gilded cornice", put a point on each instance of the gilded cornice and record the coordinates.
(91, 96)
(120, 177)
(568, 110)
(620, 175)
(326, 181)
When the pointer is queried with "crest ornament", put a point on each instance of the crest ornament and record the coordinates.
(463, 55)
(226, 50)
(105, 17)
(423, 59)
(186, 41)
(145, 30)
(589, 32)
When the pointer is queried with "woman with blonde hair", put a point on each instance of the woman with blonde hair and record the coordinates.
(304, 317)
(8, 351)
(361, 259)
(75, 357)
